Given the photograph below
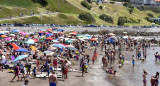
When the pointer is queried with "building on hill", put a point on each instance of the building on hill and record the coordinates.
(145, 2)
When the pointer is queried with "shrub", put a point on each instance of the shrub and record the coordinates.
(86, 17)
(122, 20)
(89, 1)
(86, 5)
(126, 4)
(100, 7)
(150, 15)
(131, 10)
(106, 18)
(145, 8)
(41, 2)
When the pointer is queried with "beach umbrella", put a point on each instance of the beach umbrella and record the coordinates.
(52, 48)
(68, 45)
(3, 36)
(60, 30)
(33, 48)
(22, 50)
(69, 41)
(111, 34)
(40, 41)
(50, 34)
(12, 41)
(55, 41)
(15, 31)
(12, 35)
(16, 47)
(48, 52)
(93, 39)
(30, 41)
(46, 32)
(35, 40)
(9, 38)
(71, 48)
(41, 32)
(58, 45)
(81, 39)
(49, 38)
(20, 57)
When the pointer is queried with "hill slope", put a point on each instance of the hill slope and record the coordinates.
(70, 8)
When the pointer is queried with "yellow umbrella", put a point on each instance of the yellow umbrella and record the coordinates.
(33, 48)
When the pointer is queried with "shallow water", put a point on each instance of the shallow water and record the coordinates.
(134, 75)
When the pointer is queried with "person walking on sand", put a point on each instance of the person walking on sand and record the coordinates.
(156, 56)
(133, 60)
(53, 79)
(16, 72)
(144, 78)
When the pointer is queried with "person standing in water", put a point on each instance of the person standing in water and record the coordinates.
(144, 78)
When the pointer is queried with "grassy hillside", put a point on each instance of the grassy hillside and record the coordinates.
(71, 9)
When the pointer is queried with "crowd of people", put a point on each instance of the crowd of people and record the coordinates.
(49, 51)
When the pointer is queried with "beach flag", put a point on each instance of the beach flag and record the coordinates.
(16, 47)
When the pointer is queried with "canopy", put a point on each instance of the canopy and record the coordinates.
(58, 45)
(30, 41)
(20, 57)
(16, 47)
(22, 50)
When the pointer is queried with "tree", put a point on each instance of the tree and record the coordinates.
(122, 20)
(86, 17)
(106, 18)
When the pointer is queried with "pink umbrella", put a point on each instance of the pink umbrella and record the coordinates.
(52, 48)
(46, 32)
(9, 38)
(68, 45)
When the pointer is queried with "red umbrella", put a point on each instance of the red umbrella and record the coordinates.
(49, 38)
(93, 39)
(41, 32)
(16, 47)
(35, 40)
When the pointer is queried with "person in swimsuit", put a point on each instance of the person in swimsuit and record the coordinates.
(53, 79)
(16, 72)
(156, 56)
(144, 78)
(154, 79)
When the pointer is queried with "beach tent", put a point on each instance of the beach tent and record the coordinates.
(22, 50)
(16, 47)
(21, 57)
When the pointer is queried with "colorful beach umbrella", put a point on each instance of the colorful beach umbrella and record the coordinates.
(3, 36)
(71, 48)
(16, 47)
(58, 45)
(22, 50)
(30, 41)
(15, 31)
(49, 38)
(21, 57)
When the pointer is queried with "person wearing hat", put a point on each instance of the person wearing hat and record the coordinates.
(25, 83)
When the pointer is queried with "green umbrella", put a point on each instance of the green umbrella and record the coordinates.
(40, 41)
(68, 41)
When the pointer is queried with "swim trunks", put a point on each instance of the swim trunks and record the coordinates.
(52, 84)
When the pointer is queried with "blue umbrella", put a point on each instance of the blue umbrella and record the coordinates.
(58, 45)
(22, 50)
(60, 30)
(15, 31)
(49, 34)
(20, 57)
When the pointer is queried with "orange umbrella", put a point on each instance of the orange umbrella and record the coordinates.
(4, 36)
(41, 32)
(16, 47)
(93, 39)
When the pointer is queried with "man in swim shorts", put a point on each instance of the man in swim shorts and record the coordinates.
(53, 79)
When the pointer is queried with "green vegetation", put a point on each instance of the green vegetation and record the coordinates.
(100, 7)
(86, 5)
(41, 2)
(106, 18)
(122, 20)
(86, 17)
(145, 8)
